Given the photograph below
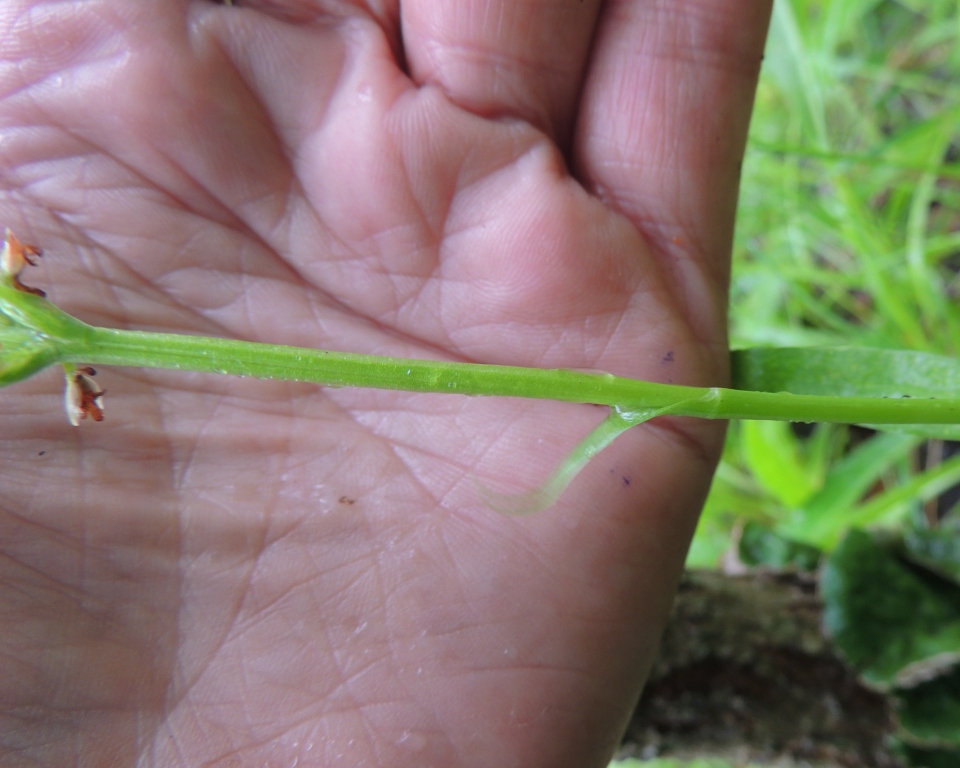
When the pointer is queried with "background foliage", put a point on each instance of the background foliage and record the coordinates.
(849, 234)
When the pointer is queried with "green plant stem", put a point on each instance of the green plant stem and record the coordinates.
(338, 369)
(35, 334)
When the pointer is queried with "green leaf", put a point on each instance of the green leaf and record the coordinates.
(733, 496)
(933, 431)
(937, 549)
(846, 371)
(826, 515)
(761, 546)
(930, 712)
(852, 372)
(891, 505)
(893, 624)
(840, 21)
(772, 453)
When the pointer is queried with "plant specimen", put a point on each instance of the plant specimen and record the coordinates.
(904, 390)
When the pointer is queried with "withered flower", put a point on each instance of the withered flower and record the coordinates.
(82, 396)
(14, 257)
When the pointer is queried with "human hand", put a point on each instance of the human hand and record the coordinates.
(248, 573)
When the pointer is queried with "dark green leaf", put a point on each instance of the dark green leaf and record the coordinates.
(930, 712)
(930, 758)
(892, 623)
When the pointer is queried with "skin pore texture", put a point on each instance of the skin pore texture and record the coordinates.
(239, 573)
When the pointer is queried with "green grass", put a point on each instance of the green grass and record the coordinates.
(850, 205)
(848, 234)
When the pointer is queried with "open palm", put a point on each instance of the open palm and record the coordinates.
(248, 573)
